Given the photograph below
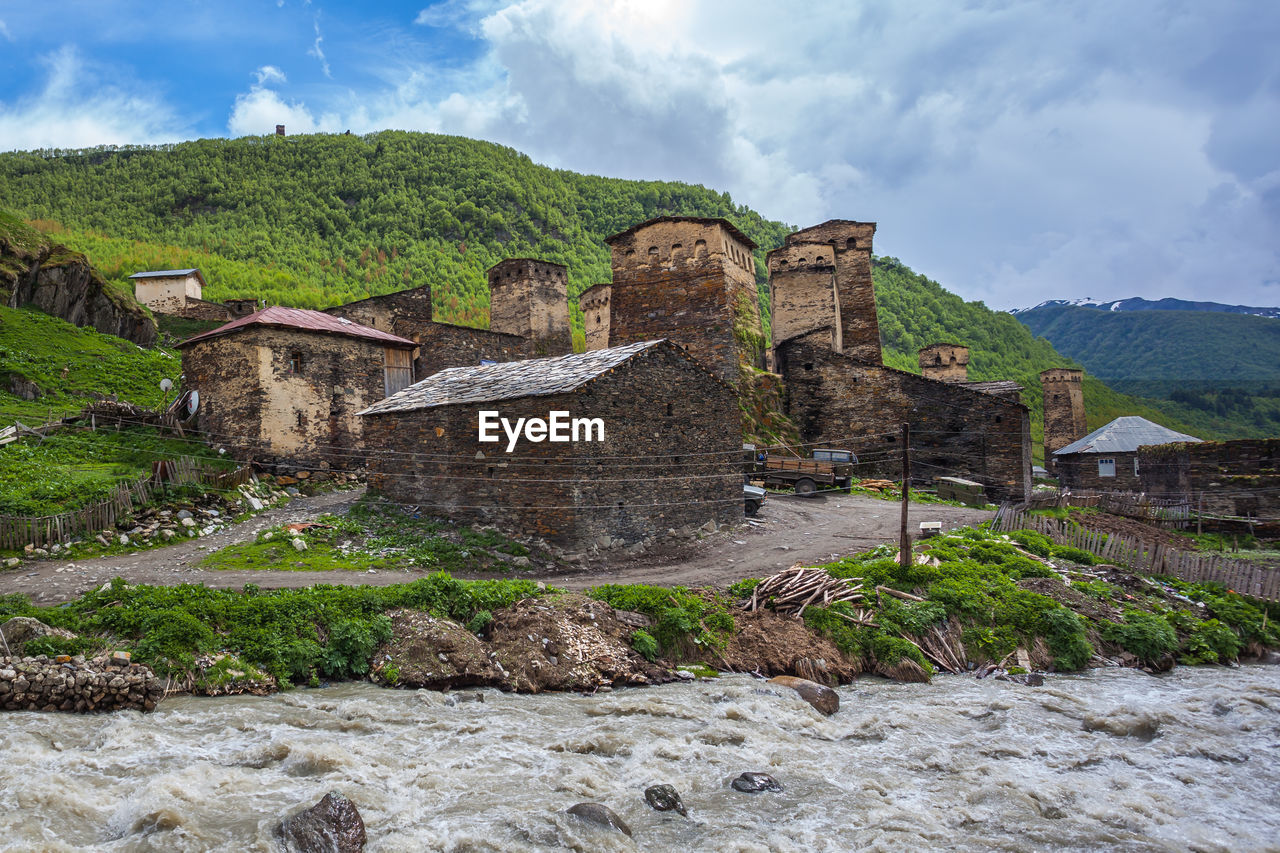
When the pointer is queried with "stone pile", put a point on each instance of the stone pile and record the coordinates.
(106, 683)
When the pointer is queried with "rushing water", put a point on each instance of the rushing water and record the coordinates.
(1113, 758)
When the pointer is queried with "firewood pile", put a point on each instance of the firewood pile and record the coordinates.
(878, 485)
(794, 589)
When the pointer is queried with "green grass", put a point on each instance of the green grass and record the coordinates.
(73, 366)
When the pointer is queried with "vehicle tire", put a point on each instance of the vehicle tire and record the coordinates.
(752, 508)
(806, 487)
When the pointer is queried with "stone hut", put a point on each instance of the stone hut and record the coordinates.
(1064, 416)
(654, 444)
(1107, 458)
(690, 280)
(945, 362)
(177, 292)
(594, 304)
(1238, 478)
(286, 384)
(530, 298)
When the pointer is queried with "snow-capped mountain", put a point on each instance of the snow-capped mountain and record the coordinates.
(1139, 304)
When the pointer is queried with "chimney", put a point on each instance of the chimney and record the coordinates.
(279, 130)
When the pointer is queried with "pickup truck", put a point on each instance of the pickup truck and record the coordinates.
(827, 468)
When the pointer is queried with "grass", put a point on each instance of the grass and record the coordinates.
(916, 496)
(375, 535)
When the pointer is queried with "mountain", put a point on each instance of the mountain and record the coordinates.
(1137, 303)
(314, 221)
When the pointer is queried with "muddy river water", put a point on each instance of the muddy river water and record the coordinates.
(1105, 760)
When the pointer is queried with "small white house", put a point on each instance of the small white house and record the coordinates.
(167, 291)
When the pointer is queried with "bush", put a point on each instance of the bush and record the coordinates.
(1144, 635)
(1075, 555)
(479, 622)
(1211, 642)
(1036, 543)
(1064, 632)
(644, 643)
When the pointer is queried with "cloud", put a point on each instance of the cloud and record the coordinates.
(4, 31)
(269, 74)
(74, 109)
(317, 51)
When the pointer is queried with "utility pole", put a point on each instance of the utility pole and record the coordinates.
(904, 539)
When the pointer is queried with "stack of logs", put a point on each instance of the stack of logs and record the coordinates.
(794, 589)
(878, 485)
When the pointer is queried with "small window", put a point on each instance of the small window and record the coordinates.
(1135, 466)
(1106, 467)
(295, 362)
(668, 410)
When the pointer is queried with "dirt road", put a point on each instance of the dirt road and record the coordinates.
(786, 531)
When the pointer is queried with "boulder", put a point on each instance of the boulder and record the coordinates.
(665, 798)
(821, 697)
(754, 783)
(601, 815)
(20, 630)
(332, 825)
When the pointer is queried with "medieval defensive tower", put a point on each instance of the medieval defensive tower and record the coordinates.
(1064, 420)
(850, 244)
(802, 292)
(594, 304)
(945, 362)
(691, 280)
(530, 298)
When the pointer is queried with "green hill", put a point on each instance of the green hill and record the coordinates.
(314, 221)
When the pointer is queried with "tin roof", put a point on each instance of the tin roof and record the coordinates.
(165, 273)
(1124, 435)
(702, 220)
(307, 321)
(535, 377)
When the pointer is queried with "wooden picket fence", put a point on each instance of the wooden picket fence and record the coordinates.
(1161, 512)
(1146, 558)
(17, 531)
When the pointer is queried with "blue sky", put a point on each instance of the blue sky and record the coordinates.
(1015, 151)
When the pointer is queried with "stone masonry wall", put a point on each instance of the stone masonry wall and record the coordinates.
(838, 401)
(945, 362)
(1239, 478)
(202, 309)
(860, 327)
(802, 291)
(1064, 416)
(252, 400)
(530, 298)
(404, 313)
(1080, 471)
(579, 495)
(77, 685)
(595, 304)
(692, 283)
(444, 345)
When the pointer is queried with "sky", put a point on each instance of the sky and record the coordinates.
(1014, 151)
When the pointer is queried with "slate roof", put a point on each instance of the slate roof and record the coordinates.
(535, 377)
(164, 273)
(1124, 435)
(701, 220)
(994, 386)
(305, 320)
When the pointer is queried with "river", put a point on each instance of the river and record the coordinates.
(1108, 759)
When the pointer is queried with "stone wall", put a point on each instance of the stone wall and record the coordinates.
(443, 345)
(1080, 471)
(851, 243)
(1064, 417)
(77, 685)
(1238, 478)
(168, 294)
(404, 313)
(841, 402)
(201, 309)
(945, 362)
(530, 298)
(594, 302)
(254, 401)
(691, 281)
(802, 291)
(585, 494)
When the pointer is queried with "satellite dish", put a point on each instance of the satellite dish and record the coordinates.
(166, 384)
(193, 402)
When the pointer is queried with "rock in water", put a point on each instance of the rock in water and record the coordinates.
(330, 826)
(665, 798)
(826, 700)
(754, 783)
(603, 815)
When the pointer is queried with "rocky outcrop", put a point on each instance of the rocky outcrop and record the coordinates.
(822, 698)
(20, 630)
(34, 271)
(601, 815)
(108, 683)
(332, 825)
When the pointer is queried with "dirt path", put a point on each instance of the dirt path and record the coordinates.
(787, 530)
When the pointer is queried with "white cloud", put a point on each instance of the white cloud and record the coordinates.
(75, 110)
(4, 31)
(318, 52)
(259, 110)
(269, 74)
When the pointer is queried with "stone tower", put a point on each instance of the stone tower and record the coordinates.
(945, 362)
(851, 247)
(692, 280)
(1064, 420)
(594, 304)
(530, 298)
(802, 291)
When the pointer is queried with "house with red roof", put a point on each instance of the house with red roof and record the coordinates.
(286, 384)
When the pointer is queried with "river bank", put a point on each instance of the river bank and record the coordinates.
(1100, 760)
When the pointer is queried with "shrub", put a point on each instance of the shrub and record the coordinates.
(479, 622)
(1211, 642)
(1075, 555)
(644, 643)
(1064, 632)
(1036, 543)
(1144, 635)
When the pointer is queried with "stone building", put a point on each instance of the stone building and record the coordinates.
(530, 298)
(636, 478)
(690, 280)
(945, 362)
(180, 293)
(1239, 478)
(403, 313)
(839, 401)
(1107, 458)
(1064, 418)
(286, 384)
(594, 304)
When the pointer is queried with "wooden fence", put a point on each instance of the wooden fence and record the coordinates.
(16, 532)
(1161, 512)
(1145, 558)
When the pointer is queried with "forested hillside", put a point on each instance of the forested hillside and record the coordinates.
(314, 221)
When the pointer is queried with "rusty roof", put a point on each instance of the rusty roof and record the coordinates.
(702, 220)
(304, 320)
(535, 377)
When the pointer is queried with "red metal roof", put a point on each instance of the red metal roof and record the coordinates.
(307, 321)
